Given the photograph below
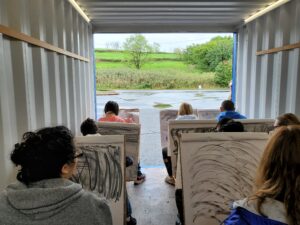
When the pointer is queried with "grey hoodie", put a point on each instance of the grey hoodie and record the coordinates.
(52, 202)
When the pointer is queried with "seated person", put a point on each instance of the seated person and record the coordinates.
(229, 125)
(228, 110)
(111, 110)
(185, 112)
(89, 128)
(222, 122)
(286, 119)
(276, 199)
(44, 194)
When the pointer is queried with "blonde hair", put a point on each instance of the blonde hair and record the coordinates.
(278, 175)
(185, 109)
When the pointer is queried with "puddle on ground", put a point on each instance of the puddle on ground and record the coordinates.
(199, 95)
(161, 105)
(129, 99)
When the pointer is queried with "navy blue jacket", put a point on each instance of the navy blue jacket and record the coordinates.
(241, 216)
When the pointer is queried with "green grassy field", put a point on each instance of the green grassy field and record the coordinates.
(164, 74)
(122, 55)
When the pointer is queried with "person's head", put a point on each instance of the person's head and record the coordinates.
(227, 105)
(185, 109)
(222, 122)
(45, 154)
(278, 174)
(231, 126)
(286, 119)
(88, 126)
(111, 107)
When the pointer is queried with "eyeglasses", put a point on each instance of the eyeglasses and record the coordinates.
(78, 155)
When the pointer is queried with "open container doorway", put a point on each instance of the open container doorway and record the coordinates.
(170, 74)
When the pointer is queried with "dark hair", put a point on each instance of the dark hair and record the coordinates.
(88, 127)
(228, 105)
(111, 106)
(278, 174)
(287, 119)
(43, 153)
(232, 126)
(222, 122)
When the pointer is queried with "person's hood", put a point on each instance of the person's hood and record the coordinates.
(43, 199)
(271, 208)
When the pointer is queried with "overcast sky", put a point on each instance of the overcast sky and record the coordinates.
(168, 42)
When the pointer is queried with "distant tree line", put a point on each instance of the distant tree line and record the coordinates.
(213, 56)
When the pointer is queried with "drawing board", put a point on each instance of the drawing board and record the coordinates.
(207, 114)
(177, 127)
(101, 170)
(171, 114)
(217, 169)
(131, 133)
(130, 115)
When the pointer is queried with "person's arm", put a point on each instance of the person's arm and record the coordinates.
(104, 217)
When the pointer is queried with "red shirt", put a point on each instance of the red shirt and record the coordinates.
(112, 118)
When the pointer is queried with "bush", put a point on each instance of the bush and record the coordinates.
(223, 73)
(207, 56)
(160, 79)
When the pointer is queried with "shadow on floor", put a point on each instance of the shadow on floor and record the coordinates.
(153, 202)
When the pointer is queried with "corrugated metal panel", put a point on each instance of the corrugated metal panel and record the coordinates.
(269, 85)
(39, 87)
(108, 16)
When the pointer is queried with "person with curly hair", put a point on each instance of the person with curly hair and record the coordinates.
(44, 194)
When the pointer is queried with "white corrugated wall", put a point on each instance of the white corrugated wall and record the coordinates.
(269, 85)
(39, 87)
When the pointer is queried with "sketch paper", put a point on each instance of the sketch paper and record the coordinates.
(131, 133)
(101, 170)
(131, 115)
(258, 125)
(217, 169)
(165, 116)
(176, 128)
(171, 114)
(207, 114)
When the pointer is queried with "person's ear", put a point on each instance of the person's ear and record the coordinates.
(67, 170)
(221, 109)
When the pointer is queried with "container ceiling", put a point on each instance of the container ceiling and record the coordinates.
(116, 16)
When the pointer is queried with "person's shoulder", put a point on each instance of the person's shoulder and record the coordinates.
(221, 116)
(102, 119)
(119, 119)
(271, 208)
(96, 206)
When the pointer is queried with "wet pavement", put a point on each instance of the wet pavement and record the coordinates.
(151, 155)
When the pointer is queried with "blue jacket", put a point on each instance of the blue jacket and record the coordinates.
(241, 216)
(231, 115)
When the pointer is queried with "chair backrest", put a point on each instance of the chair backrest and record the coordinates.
(101, 170)
(217, 169)
(257, 125)
(131, 132)
(177, 127)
